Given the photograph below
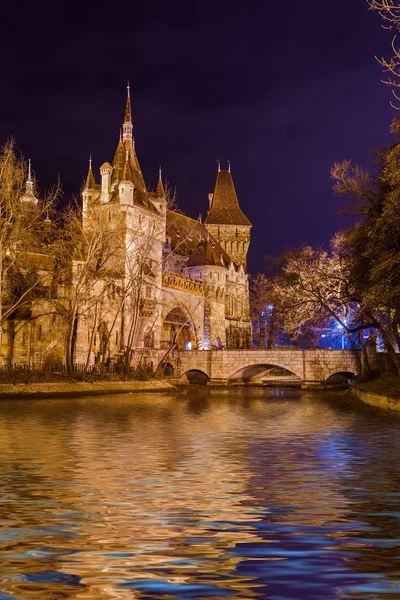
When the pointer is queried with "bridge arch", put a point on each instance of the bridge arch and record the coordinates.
(338, 377)
(197, 377)
(253, 369)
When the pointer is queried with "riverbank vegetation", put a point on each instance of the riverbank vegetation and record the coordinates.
(353, 287)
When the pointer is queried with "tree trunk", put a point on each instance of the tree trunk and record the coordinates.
(393, 357)
(70, 350)
(92, 334)
(356, 353)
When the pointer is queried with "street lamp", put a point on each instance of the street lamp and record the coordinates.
(340, 326)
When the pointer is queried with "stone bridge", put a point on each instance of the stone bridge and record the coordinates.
(312, 367)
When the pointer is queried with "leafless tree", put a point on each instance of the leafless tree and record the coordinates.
(389, 12)
(25, 231)
(263, 310)
(87, 255)
(316, 288)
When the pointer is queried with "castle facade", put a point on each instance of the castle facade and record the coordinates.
(178, 282)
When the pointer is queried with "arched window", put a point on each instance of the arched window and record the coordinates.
(149, 340)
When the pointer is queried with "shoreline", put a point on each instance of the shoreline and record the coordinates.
(380, 400)
(71, 389)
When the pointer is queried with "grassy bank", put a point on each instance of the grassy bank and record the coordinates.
(382, 392)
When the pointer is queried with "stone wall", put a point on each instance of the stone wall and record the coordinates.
(374, 399)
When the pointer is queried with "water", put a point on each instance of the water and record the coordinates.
(239, 494)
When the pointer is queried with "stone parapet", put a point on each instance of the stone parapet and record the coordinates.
(181, 282)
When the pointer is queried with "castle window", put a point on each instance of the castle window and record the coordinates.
(39, 332)
(116, 338)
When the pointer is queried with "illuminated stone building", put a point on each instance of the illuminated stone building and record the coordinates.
(193, 286)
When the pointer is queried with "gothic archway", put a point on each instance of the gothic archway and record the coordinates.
(178, 330)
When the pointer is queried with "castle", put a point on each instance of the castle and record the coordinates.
(178, 282)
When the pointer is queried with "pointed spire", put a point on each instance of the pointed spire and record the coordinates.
(219, 164)
(229, 166)
(90, 181)
(160, 188)
(127, 126)
(128, 113)
(29, 195)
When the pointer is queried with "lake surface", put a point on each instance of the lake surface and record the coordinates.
(203, 494)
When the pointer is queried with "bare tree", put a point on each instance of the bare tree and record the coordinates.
(262, 310)
(25, 233)
(87, 254)
(317, 287)
(389, 12)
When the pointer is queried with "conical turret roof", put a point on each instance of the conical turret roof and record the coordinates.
(225, 209)
(130, 168)
(90, 180)
(160, 192)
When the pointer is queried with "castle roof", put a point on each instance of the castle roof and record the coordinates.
(160, 192)
(90, 180)
(225, 209)
(127, 169)
(190, 238)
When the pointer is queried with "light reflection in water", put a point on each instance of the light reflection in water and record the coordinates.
(200, 495)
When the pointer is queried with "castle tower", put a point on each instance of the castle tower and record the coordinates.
(226, 221)
(90, 187)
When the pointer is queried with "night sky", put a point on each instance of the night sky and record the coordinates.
(282, 89)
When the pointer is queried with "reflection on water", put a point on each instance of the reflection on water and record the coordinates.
(239, 494)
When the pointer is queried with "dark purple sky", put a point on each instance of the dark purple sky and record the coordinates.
(282, 89)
